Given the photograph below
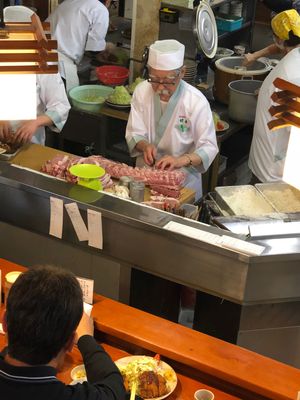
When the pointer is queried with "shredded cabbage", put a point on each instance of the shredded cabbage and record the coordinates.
(120, 96)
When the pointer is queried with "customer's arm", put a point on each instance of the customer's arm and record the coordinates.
(101, 370)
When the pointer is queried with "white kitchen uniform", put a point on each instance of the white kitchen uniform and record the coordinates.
(268, 148)
(51, 101)
(78, 26)
(185, 126)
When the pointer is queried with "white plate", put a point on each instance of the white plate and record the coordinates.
(163, 368)
(77, 381)
(118, 106)
(78, 373)
(225, 126)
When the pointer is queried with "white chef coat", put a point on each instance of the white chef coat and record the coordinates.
(186, 126)
(268, 148)
(51, 101)
(78, 26)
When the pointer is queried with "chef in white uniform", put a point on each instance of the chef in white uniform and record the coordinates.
(78, 26)
(170, 124)
(52, 107)
(268, 148)
(52, 110)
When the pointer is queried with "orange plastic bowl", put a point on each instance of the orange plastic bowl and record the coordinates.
(112, 74)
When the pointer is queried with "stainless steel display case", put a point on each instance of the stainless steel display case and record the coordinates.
(133, 235)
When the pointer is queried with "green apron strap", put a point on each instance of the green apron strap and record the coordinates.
(162, 119)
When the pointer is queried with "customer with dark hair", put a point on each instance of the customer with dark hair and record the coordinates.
(43, 320)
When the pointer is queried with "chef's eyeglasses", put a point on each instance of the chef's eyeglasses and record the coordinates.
(168, 80)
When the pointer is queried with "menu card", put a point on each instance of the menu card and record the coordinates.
(87, 287)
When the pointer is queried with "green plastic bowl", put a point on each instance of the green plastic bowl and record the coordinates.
(89, 97)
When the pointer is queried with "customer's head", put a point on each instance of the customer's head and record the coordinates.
(286, 28)
(44, 307)
(165, 65)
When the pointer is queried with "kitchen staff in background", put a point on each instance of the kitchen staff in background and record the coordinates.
(78, 26)
(43, 320)
(273, 48)
(268, 148)
(170, 124)
(52, 106)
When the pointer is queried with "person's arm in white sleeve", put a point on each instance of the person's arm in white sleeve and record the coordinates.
(52, 95)
(54, 98)
(99, 21)
(204, 135)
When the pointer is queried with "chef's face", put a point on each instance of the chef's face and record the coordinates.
(164, 83)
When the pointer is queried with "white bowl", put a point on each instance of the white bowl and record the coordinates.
(223, 52)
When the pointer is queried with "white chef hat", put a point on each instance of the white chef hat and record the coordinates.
(166, 55)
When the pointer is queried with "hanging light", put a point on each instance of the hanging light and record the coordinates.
(25, 50)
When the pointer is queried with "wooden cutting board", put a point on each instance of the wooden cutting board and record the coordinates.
(33, 156)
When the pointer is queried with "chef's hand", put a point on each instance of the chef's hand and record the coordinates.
(169, 162)
(28, 128)
(5, 130)
(85, 327)
(149, 154)
(25, 131)
(249, 59)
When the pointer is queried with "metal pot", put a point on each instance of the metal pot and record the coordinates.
(242, 100)
(229, 69)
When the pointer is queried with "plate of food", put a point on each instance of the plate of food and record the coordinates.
(119, 98)
(78, 374)
(222, 126)
(8, 150)
(155, 378)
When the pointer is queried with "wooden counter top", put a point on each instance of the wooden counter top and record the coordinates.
(199, 360)
(33, 156)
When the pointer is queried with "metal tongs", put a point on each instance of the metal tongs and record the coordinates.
(289, 104)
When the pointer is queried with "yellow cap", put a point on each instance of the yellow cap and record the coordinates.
(285, 22)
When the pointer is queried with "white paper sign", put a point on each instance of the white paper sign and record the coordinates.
(87, 287)
(92, 233)
(77, 221)
(95, 229)
(56, 217)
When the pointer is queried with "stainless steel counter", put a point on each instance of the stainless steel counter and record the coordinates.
(134, 234)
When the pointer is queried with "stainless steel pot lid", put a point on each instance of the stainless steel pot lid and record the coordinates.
(205, 29)
(234, 65)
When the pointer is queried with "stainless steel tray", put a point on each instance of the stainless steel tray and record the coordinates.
(283, 197)
(9, 156)
(243, 200)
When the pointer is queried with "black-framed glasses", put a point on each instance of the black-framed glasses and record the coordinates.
(157, 82)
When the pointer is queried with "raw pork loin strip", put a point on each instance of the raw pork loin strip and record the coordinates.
(167, 183)
(150, 176)
(59, 167)
(166, 190)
